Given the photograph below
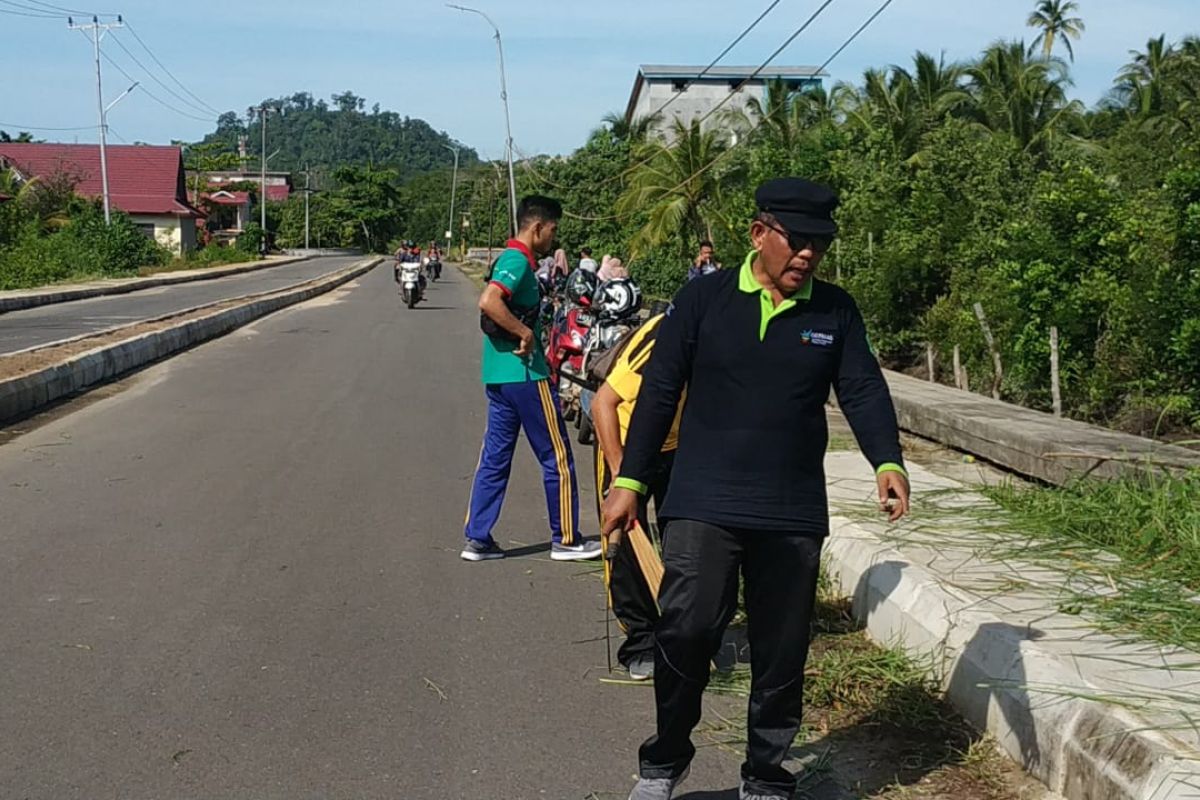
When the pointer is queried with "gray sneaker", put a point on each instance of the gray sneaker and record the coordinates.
(475, 550)
(582, 550)
(656, 788)
(746, 794)
(641, 668)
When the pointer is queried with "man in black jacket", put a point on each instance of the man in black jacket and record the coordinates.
(758, 349)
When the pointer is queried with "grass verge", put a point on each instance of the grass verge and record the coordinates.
(875, 724)
(1137, 538)
(202, 259)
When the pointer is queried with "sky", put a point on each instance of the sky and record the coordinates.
(568, 62)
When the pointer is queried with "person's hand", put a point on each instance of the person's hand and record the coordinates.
(893, 494)
(526, 345)
(620, 515)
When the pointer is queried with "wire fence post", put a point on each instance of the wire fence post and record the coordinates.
(1055, 388)
(997, 364)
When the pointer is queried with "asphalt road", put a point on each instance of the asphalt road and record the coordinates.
(44, 324)
(236, 575)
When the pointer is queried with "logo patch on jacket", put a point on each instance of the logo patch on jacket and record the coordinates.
(818, 338)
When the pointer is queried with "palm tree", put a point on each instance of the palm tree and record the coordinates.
(888, 99)
(1142, 82)
(786, 116)
(675, 185)
(815, 106)
(938, 85)
(1026, 99)
(1051, 17)
(634, 131)
(772, 118)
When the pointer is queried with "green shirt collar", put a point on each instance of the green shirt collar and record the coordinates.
(768, 310)
(749, 284)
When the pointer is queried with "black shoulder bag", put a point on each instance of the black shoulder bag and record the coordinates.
(527, 316)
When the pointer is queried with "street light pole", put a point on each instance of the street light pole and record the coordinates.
(99, 30)
(263, 110)
(508, 145)
(453, 190)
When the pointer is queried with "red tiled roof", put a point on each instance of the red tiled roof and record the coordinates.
(278, 193)
(142, 179)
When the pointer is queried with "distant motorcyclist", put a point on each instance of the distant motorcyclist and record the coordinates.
(401, 256)
(410, 254)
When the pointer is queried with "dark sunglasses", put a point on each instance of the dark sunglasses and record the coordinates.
(804, 241)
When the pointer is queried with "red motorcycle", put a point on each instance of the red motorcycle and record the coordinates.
(568, 340)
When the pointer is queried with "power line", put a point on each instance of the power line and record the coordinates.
(158, 80)
(171, 75)
(753, 128)
(27, 11)
(17, 127)
(795, 34)
(68, 10)
(722, 55)
(150, 94)
(812, 18)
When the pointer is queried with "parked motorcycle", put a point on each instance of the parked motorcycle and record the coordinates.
(616, 307)
(568, 338)
(412, 288)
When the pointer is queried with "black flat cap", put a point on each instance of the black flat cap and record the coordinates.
(801, 206)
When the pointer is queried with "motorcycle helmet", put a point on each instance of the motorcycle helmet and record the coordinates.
(581, 287)
(619, 297)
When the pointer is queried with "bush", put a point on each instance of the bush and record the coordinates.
(250, 240)
(212, 255)
(84, 248)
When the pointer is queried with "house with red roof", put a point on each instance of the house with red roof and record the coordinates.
(279, 184)
(144, 181)
(228, 212)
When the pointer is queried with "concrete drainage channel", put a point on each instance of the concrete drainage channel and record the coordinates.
(115, 355)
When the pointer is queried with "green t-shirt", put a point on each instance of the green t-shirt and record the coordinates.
(513, 275)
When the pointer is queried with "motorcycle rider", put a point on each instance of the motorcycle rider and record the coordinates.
(401, 254)
(409, 253)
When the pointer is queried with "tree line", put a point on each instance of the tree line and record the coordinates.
(969, 183)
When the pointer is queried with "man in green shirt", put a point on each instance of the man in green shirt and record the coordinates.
(520, 396)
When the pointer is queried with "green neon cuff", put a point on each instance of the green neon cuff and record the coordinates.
(891, 467)
(632, 485)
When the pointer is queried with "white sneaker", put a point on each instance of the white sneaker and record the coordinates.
(641, 669)
(583, 550)
(656, 788)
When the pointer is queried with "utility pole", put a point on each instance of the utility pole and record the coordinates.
(508, 147)
(307, 192)
(263, 110)
(99, 31)
(453, 190)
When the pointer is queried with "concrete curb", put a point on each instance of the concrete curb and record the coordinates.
(1079, 747)
(19, 300)
(26, 393)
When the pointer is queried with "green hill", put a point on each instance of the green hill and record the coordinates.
(325, 136)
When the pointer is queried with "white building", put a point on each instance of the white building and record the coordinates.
(691, 97)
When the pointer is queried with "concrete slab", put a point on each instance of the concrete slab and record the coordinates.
(1028, 442)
